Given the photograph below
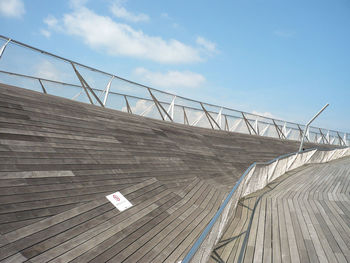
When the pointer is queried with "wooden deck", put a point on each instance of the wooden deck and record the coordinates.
(60, 158)
(303, 216)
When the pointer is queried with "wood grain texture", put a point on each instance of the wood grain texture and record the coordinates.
(301, 217)
(60, 158)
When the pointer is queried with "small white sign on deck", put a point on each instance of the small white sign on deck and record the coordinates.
(119, 201)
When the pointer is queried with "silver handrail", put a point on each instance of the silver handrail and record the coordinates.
(308, 124)
(254, 123)
(215, 218)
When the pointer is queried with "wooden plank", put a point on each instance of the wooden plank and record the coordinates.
(60, 217)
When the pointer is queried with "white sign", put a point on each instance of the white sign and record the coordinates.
(119, 201)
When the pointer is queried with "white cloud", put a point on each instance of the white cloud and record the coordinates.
(206, 44)
(51, 21)
(120, 12)
(171, 79)
(141, 106)
(102, 33)
(12, 8)
(45, 33)
(77, 3)
(46, 70)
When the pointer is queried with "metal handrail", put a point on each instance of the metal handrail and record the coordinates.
(290, 126)
(214, 219)
(121, 94)
(308, 124)
(135, 83)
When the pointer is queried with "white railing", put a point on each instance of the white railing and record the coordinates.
(31, 68)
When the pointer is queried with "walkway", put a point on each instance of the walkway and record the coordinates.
(302, 217)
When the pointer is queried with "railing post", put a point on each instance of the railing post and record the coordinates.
(78, 94)
(345, 140)
(264, 130)
(147, 109)
(285, 131)
(307, 126)
(159, 106)
(234, 126)
(42, 86)
(257, 126)
(249, 126)
(219, 117)
(324, 139)
(2, 50)
(171, 108)
(226, 124)
(198, 119)
(82, 83)
(185, 116)
(107, 91)
(127, 105)
(279, 132)
(341, 142)
(86, 87)
(210, 118)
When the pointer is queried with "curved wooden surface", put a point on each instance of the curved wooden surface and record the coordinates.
(60, 158)
(304, 216)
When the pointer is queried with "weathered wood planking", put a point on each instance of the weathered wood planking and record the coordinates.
(303, 217)
(60, 158)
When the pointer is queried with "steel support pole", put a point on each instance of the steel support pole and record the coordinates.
(198, 119)
(324, 139)
(147, 109)
(264, 130)
(210, 118)
(171, 109)
(87, 87)
(279, 131)
(219, 117)
(127, 105)
(4, 46)
(159, 106)
(78, 94)
(345, 140)
(107, 91)
(307, 126)
(341, 142)
(226, 124)
(249, 126)
(42, 86)
(235, 125)
(185, 116)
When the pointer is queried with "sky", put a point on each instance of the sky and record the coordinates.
(278, 58)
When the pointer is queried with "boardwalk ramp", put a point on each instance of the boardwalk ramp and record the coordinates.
(59, 159)
(302, 216)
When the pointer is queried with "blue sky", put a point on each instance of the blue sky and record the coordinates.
(284, 59)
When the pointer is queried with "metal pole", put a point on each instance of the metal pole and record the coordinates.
(107, 91)
(4, 46)
(307, 126)
(42, 86)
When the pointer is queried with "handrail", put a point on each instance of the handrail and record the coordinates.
(206, 231)
(214, 219)
(308, 124)
(282, 128)
(129, 96)
(135, 83)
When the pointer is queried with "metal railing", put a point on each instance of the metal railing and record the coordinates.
(31, 68)
(256, 177)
